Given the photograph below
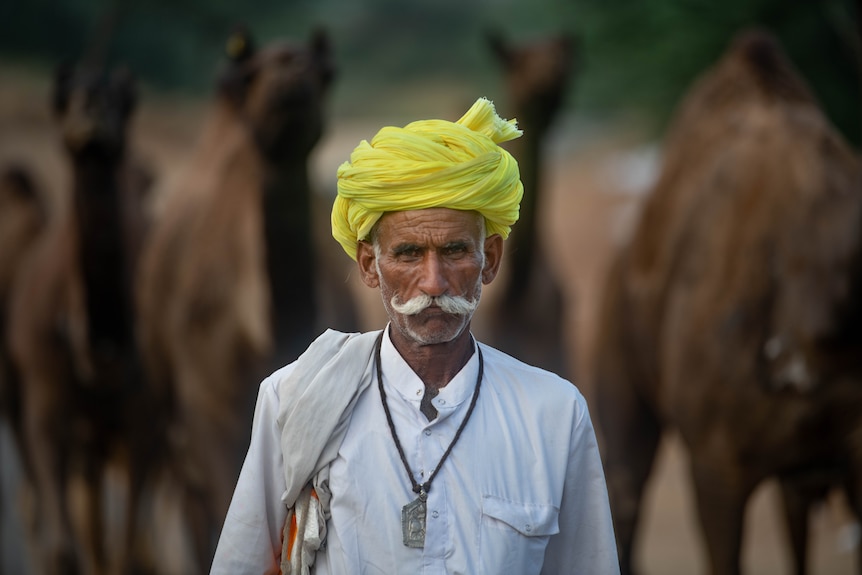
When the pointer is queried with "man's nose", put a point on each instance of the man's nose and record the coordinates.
(432, 277)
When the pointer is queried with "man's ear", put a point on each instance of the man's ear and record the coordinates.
(366, 259)
(493, 258)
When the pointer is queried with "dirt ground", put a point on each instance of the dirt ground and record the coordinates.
(595, 186)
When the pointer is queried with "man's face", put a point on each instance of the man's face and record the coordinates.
(432, 252)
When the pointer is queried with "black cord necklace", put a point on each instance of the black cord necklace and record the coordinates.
(413, 514)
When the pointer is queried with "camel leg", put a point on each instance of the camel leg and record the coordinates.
(46, 455)
(210, 487)
(10, 411)
(798, 497)
(4, 465)
(631, 434)
(795, 507)
(135, 475)
(88, 515)
(4, 410)
(721, 494)
(211, 441)
(141, 472)
(853, 490)
(205, 468)
(199, 522)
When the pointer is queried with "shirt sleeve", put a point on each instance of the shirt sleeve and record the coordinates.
(250, 541)
(585, 544)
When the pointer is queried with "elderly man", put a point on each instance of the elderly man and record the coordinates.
(417, 449)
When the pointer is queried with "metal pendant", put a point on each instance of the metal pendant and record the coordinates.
(413, 522)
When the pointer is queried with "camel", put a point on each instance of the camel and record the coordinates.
(70, 329)
(23, 212)
(227, 286)
(733, 315)
(529, 314)
(22, 218)
(23, 209)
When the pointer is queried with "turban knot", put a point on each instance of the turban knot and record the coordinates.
(430, 164)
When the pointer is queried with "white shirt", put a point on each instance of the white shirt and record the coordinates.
(522, 491)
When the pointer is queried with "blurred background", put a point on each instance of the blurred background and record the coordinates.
(396, 61)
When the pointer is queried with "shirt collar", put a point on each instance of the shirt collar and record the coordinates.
(398, 375)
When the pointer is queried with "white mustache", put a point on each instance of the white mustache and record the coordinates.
(456, 305)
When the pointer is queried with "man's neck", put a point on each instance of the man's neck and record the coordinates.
(435, 364)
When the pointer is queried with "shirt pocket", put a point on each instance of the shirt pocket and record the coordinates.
(514, 534)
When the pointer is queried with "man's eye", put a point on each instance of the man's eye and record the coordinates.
(454, 251)
(409, 253)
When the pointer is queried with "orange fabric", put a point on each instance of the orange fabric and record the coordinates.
(291, 538)
(292, 531)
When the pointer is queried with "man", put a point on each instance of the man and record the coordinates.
(418, 449)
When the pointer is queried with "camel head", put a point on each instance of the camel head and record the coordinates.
(93, 109)
(279, 91)
(537, 75)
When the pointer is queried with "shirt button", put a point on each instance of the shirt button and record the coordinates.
(442, 401)
(528, 528)
(419, 392)
(428, 432)
(435, 514)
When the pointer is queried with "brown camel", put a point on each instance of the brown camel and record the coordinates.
(529, 318)
(734, 314)
(228, 279)
(71, 336)
(22, 218)
(23, 212)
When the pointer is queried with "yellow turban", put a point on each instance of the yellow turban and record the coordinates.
(430, 164)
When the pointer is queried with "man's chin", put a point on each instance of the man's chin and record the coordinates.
(436, 328)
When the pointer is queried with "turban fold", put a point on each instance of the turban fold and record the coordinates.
(430, 164)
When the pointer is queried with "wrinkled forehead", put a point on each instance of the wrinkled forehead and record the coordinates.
(439, 224)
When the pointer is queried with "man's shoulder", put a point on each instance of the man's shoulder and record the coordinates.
(535, 394)
(515, 370)
(326, 346)
(331, 351)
